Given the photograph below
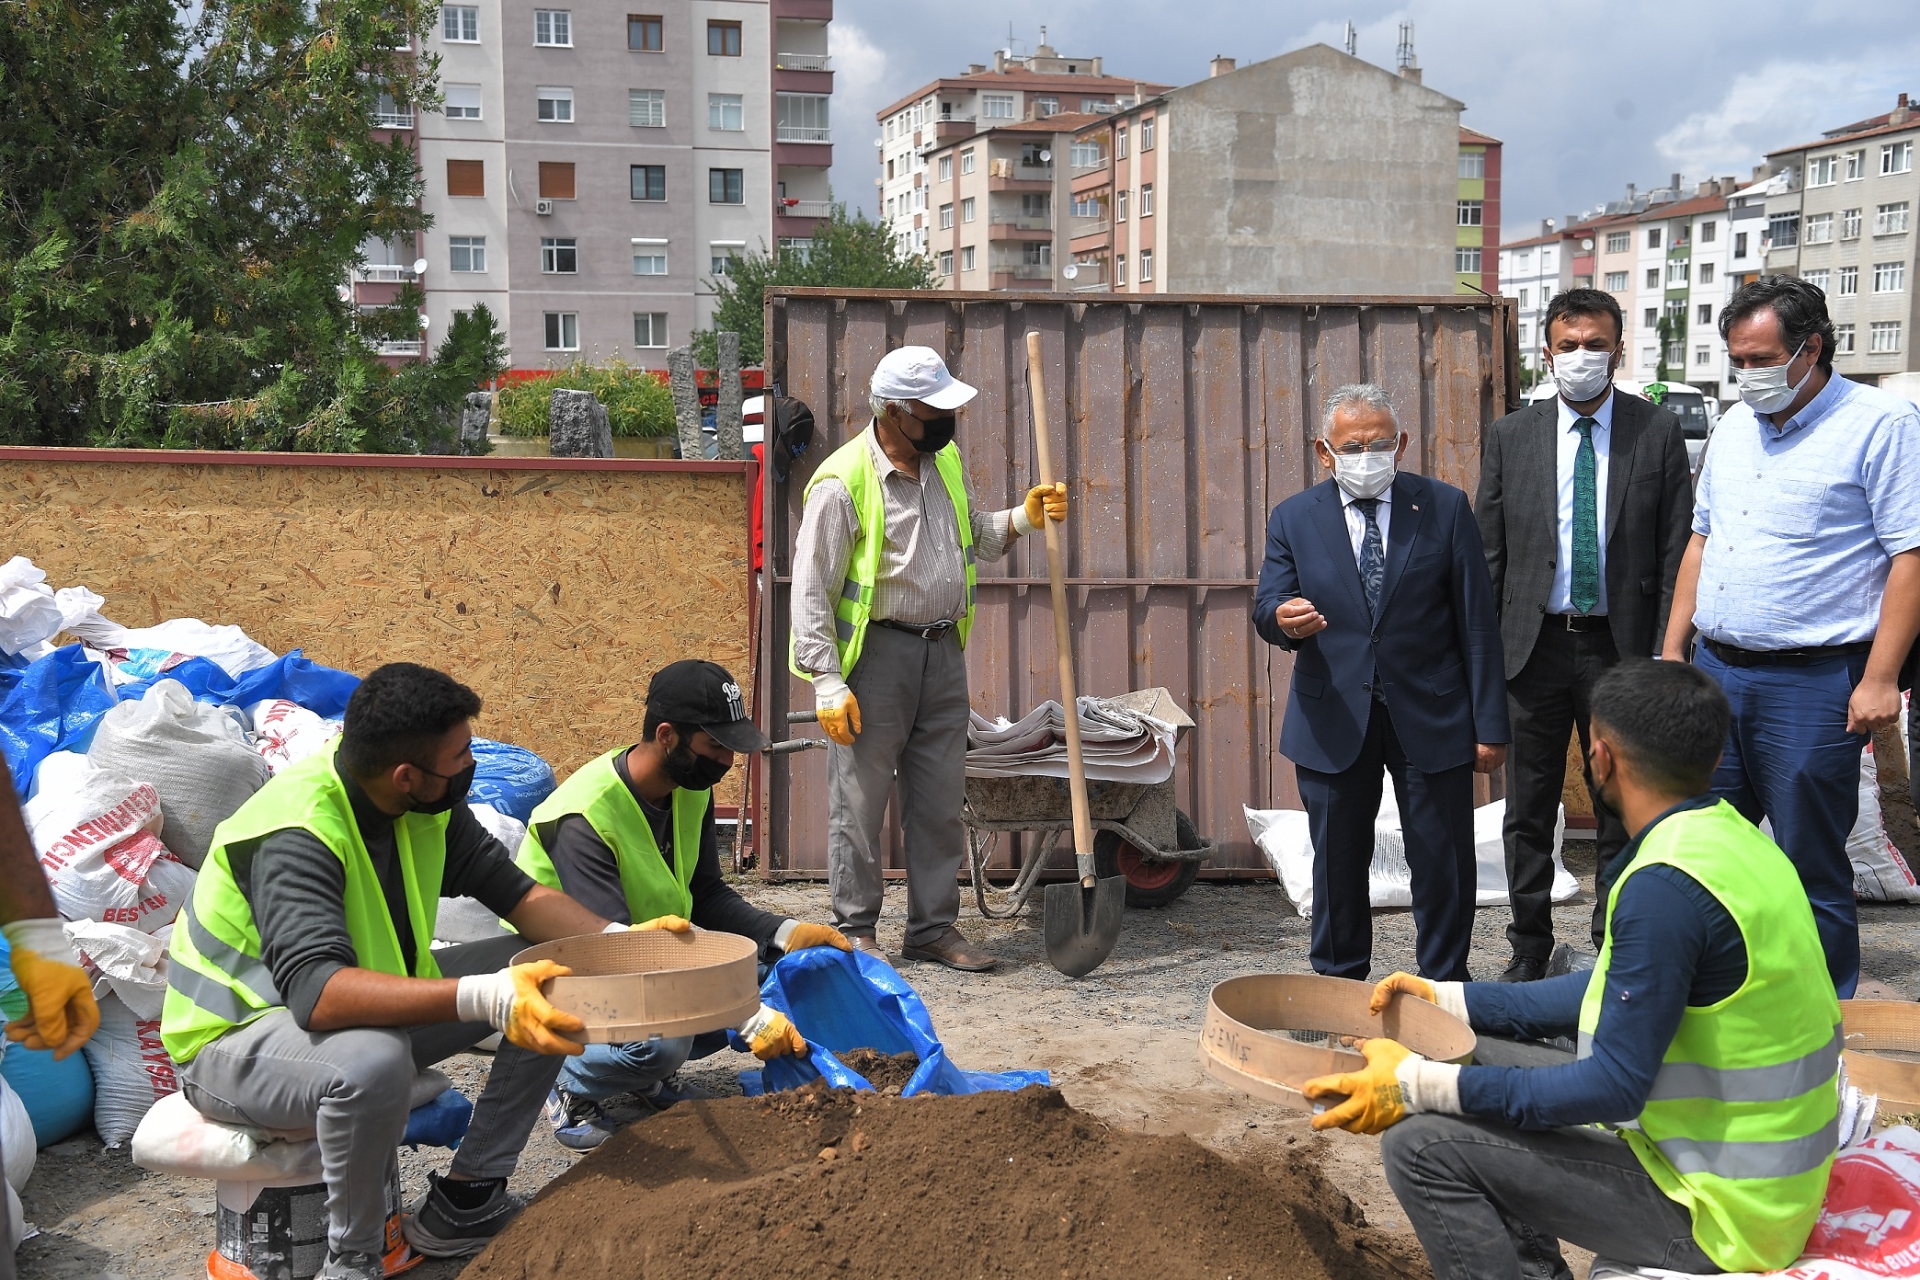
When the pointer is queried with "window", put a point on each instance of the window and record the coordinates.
(1708, 230)
(649, 257)
(1473, 164)
(996, 106)
(1818, 279)
(649, 328)
(1889, 277)
(1819, 228)
(1883, 336)
(1704, 314)
(1146, 202)
(1849, 224)
(966, 258)
(946, 262)
(1089, 106)
(553, 28)
(1046, 107)
(645, 33)
(1085, 155)
(1890, 219)
(1703, 355)
(1466, 260)
(1895, 157)
(1739, 244)
(946, 218)
(966, 160)
(1650, 317)
(1146, 255)
(723, 39)
(1086, 205)
(1706, 273)
(559, 256)
(555, 105)
(1523, 299)
(647, 108)
(966, 209)
(563, 330)
(1146, 141)
(1036, 206)
(1783, 229)
(460, 24)
(556, 179)
(1820, 171)
(466, 177)
(647, 182)
(389, 114)
(1653, 237)
(1120, 268)
(726, 186)
(1523, 334)
(1467, 213)
(721, 254)
(1856, 165)
(1849, 283)
(1120, 204)
(726, 112)
(1030, 155)
(946, 168)
(1619, 242)
(799, 248)
(802, 117)
(1120, 143)
(1653, 277)
(466, 253)
(1843, 340)
(463, 102)
(1676, 352)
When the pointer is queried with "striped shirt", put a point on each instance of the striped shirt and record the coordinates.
(923, 574)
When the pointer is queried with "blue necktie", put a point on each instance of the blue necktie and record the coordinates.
(1373, 555)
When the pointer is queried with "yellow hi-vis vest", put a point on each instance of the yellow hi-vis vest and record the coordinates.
(596, 793)
(1743, 1119)
(216, 980)
(852, 465)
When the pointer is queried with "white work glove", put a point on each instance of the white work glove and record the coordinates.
(1427, 1085)
(838, 709)
(770, 1034)
(511, 1003)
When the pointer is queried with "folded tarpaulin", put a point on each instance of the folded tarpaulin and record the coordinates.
(843, 1000)
(1118, 744)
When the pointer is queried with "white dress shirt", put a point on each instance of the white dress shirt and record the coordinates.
(1357, 521)
(1560, 599)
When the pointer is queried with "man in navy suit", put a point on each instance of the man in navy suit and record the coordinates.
(1376, 582)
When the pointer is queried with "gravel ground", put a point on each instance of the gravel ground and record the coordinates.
(1122, 1043)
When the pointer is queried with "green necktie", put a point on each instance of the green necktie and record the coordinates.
(1585, 587)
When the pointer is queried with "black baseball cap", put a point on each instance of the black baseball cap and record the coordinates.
(704, 694)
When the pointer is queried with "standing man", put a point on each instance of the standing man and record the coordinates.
(1803, 578)
(1377, 584)
(1583, 506)
(883, 599)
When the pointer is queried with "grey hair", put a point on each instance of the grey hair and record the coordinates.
(879, 405)
(1370, 394)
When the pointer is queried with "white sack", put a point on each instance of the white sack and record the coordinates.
(195, 755)
(16, 1218)
(465, 919)
(131, 1070)
(175, 1139)
(96, 834)
(285, 732)
(28, 612)
(228, 647)
(16, 1138)
(124, 962)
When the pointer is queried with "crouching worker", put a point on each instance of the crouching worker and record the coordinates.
(302, 991)
(1709, 1043)
(631, 835)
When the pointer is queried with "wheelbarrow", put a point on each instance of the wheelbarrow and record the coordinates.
(1138, 831)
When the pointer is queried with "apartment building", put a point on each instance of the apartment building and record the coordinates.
(1578, 256)
(1477, 214)
(1840, 215)
(993, 204)
(1681, 276)
(1014, 89)
(591, 171)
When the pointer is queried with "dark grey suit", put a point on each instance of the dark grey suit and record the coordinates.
(1550, 670)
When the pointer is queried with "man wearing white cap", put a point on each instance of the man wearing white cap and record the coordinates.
(882, 604)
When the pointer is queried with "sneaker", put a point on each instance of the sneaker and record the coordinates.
(437, 1228)
(579, 1124)
(651, 1100)
(351, 1266)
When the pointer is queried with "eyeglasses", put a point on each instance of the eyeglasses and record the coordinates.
(1355, 449)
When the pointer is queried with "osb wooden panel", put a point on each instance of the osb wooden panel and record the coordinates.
(1573, 791)
(555, 595)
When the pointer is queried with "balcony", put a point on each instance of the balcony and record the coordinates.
(401, 347)
(1078, 227)
(802, 62)
(1084, 165)
(1022, 270)
(397, 119)
(802, 133)
(1022, 221)
(385, 273)
(791, 208)
(1088, 277)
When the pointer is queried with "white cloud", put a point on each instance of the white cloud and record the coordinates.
(1780, 104)
(861, 86)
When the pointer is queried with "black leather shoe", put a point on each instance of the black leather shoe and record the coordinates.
(1525, 969)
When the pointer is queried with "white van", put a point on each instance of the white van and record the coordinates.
(1697, 411)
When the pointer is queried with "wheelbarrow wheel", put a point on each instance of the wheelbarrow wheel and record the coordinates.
(1149, 884)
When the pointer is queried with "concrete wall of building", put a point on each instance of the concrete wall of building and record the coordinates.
(441, 140)
(1312, 172)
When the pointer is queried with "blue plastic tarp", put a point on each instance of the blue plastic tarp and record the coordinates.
(321, 690)
(511, 779)
(50, 705)
(842, 1000)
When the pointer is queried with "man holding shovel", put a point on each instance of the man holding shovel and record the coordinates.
(883, 601)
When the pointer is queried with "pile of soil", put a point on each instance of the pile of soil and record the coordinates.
(882, 1070)
(1001, 1185)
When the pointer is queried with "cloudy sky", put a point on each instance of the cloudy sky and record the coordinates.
(1587, 98)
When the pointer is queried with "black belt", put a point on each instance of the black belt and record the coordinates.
(1577, 623)
(1734, 656)
(931, 631)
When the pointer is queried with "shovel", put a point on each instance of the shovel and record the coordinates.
(1082, 920)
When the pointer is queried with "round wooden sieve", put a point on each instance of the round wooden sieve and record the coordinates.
(1876, 1031)
(630, 986)
(1245, 1042)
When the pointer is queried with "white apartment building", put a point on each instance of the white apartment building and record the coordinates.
(1531, 272)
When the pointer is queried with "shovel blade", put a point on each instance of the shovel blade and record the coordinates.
(1083, 924)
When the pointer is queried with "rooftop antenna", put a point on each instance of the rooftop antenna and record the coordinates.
(1351, 39)
(1405, 56)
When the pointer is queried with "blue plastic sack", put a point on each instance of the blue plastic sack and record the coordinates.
(50, 705)
(511, 779)
(440, 1123)
(843, 1000)
(58, 1095)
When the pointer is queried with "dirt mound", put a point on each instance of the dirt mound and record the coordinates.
(882, 1070)
(1001, 1185)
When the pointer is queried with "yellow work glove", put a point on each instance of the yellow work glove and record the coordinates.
(838, 709)
(1046, 502)
(1374, 1101)
(510, 1001)
(1407, 982)
(672, 924)
(771, 1034)
(815, 935)
(61, 1013)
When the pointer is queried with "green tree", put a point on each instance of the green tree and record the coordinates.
(847, 253)
(182, 191)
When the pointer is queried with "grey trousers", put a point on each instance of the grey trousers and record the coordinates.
(913, 731)
(1491, 1202)
(352, 1087)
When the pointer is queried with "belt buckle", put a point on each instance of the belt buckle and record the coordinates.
(933, 631)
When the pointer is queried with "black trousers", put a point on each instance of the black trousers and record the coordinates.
(1547, 702)
(1436, 820)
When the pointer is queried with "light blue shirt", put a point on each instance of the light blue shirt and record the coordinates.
(1560, 598)
(1802, 520)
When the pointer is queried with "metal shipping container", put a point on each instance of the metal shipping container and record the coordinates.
(1178, 423)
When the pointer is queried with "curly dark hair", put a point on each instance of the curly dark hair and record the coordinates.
(398, 714)
(1801, 309)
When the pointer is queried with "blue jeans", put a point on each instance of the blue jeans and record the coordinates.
(608, 1069)
(1790, 759)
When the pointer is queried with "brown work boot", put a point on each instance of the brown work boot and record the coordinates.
(952, 950)
(864, 941)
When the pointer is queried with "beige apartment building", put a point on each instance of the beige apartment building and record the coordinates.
(992, 203)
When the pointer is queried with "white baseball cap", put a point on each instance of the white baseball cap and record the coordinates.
(918, 373)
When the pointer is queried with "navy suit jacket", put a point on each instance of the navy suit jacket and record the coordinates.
(1436, 646)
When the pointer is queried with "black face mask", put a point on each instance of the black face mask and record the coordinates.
(691, 771)
(457, 785)
(935, 433)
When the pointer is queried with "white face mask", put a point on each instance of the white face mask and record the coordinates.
(1766, 390)
(1582, 375)
(1364, 475)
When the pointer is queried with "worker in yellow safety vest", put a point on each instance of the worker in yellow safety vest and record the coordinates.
(631, 835)
(883, 602)
(303, 991)
(1695, 1130)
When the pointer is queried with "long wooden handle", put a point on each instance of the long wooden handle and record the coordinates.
(1062, 630)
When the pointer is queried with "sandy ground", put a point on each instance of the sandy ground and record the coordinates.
(1121, 1042)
